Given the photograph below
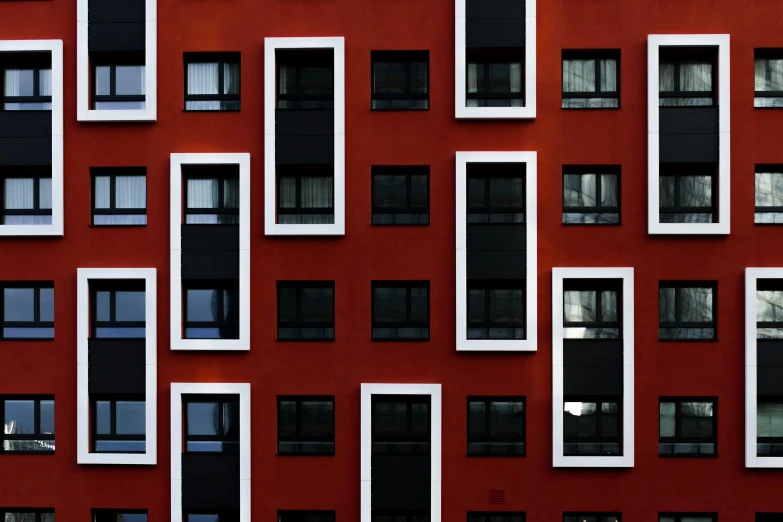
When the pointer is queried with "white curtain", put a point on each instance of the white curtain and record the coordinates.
(666, 76)
(12, 87)
(667, 419)
(317, 192)
(202, 193)
(579, 76)
(287, 192)
(231, 193)
(45, 193)
(609, 305)
(695, 191)
(695, 304)
(608, 75)
(19, 193)
(231, 78)
(608, 190)
(472, 83)
(102, 192)
(769, 420)
(131, 192)
(769, 307)
(203, 79)
(695, 75)
(45, 82)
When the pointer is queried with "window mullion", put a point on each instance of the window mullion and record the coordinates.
(408, 191)
(112, 191)
(298, 429)
(408, 73)
(408, 308)
(112, 80)
(113, 417)
(487, 418)
(36, 416)
(676, 306)
(221, 189)
(597, 69)
(36, 304)
(36, 82)
(36, 193)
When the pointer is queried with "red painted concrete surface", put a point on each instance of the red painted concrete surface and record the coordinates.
(431, 137)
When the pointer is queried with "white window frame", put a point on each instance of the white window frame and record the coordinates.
(83, 95)
(178, 342)
(178, 389)
(654, 43)
(752, 460)
(434, 391)
(626, 460)
(529, 109)
(83, 432)
(530, 343)
(55, 48)
(271, 227)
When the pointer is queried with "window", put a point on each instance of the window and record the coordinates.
(496, 427)
(118, 424)
(400, 195)
(306, 196)
(27, 82)
(769, 194)
(494, 80)
(119, 196)
(305, 516)
(686, 517)
(401, 425)
(686, 78)
(28, 424)
(305, 311)
(769, 517)
(688, 427)
(212, 424)
(27, 198)
(211, 515)
(211, 309)
(769, 427)
(768, 78)
(119, 515)
(769, 310)
(591, 428)
(686, 310)
(591, 79)
(591, 195)
(496, 193)
(118, 86)
(212, 82)
(305, 425)
(496, 309)
(26, 515)
(592, 517)
(400, 516)
(591, 309)
(400, 310)
(495, 516)
(305, 79)
(687, 195)
(118, 309)
(212, 195)
(400, 80)
(28, 310)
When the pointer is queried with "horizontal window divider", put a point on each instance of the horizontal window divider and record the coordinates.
(118, 97)
(308, 210)
(212, 97)
(398, 210)
(591, 94)
(591, 210)
(26, 99)
(120, 211)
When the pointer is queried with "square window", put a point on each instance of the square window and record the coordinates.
(305, 196)
(400, 311)
(118, 309)
(26, 82)
(305, 311)
(496, 193)
(211, 194)
(119, 196)
(400, 195)
(687, 77)
(211, 309)
(592, 309)
(592, 427)
(768, 69)
(401, 424)
(400, 80)
(305, 425)
(27, 310)
(686, 310)
(211, 424)
(118, 82)
(769, 310)
(118, 424)
(769, 194)
(769, 427)
(212, 81)
(496, 309)
(687, 195)
(496, 427)
(28, 424)
(591, 195)
(495, 79)
(26, 197)
(305, 79)
(591, 79)
(688, 427)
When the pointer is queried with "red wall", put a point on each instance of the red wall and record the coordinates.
(365, 253)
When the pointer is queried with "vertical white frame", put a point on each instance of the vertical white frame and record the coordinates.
(752, 460)
(367, 391)
(654, 43)
(178, 389)
(83, 278)
(463, 112)
(271, 46)
(626, 460)
(530, 343)
(55, 48)
(83, 111)
(242, 160)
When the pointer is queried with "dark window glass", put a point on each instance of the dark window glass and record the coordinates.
(495, 516)
(118, 424)
(212, 424)
(400, 195)
(496, 193)
(769, 310)
(27, 310)
(496, 309)
(687, 195)
(119, 515)
(769, 427)
(400, 516)
(211, 195)
(212, 82)
(26, 82)
(400, 310)
(305, 79)
(686, 517)
(768, 78)
(400, 80)
(28, 424)
(769, 517)
(305, 310)
(305, 516)
(687, 78)
(26, 515)
(118, 309)
(118, 83)
(591, 428)
(305, 425)
(591, 195)
(592, 517)
(686, 310)
(769, 194)
(401, 424)
(211, 309)
(496, 427)
(688, 427)
(591, 309)
(211, 515)
(591, 79)
(119, 196)
(305, 196)
(495, 80)
(26, 197)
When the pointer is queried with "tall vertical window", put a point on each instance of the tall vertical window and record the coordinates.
(305, 79)
(27, 310)
(305, 196)
(686, 310)
(496, 193)
(768, 67)
(118, 424)
(212, 424)
(591, 79)
(305, 425)
(401, 424)
(26, 83)
(769, 194)
(400, 80)
(688, 427)
(591, 195)
(400, 195)
(305, 310)
(212, 82)
(28, 424)
(119, 196)
(118, 86)
(26, 515)
(118, 309)
(591, 311)
(496, 426)
(496, 309)
(687, 195)
(211, 195)
(400, 310)
(26, 197)
(494, 80)
(592, 427)
(769, 427)
(687, 79)
(211, 309)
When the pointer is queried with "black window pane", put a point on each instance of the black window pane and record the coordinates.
(317, 418)
(317, 304)
(506, 418)
(697, 419)
(476, 418)
(580, 420)
(420, 418)
(390, 419)
(419, 191)
(287, 418)
(286, 305)
(389, 304)
(231, 419)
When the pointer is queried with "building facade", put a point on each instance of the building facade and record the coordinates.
(440, 261)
